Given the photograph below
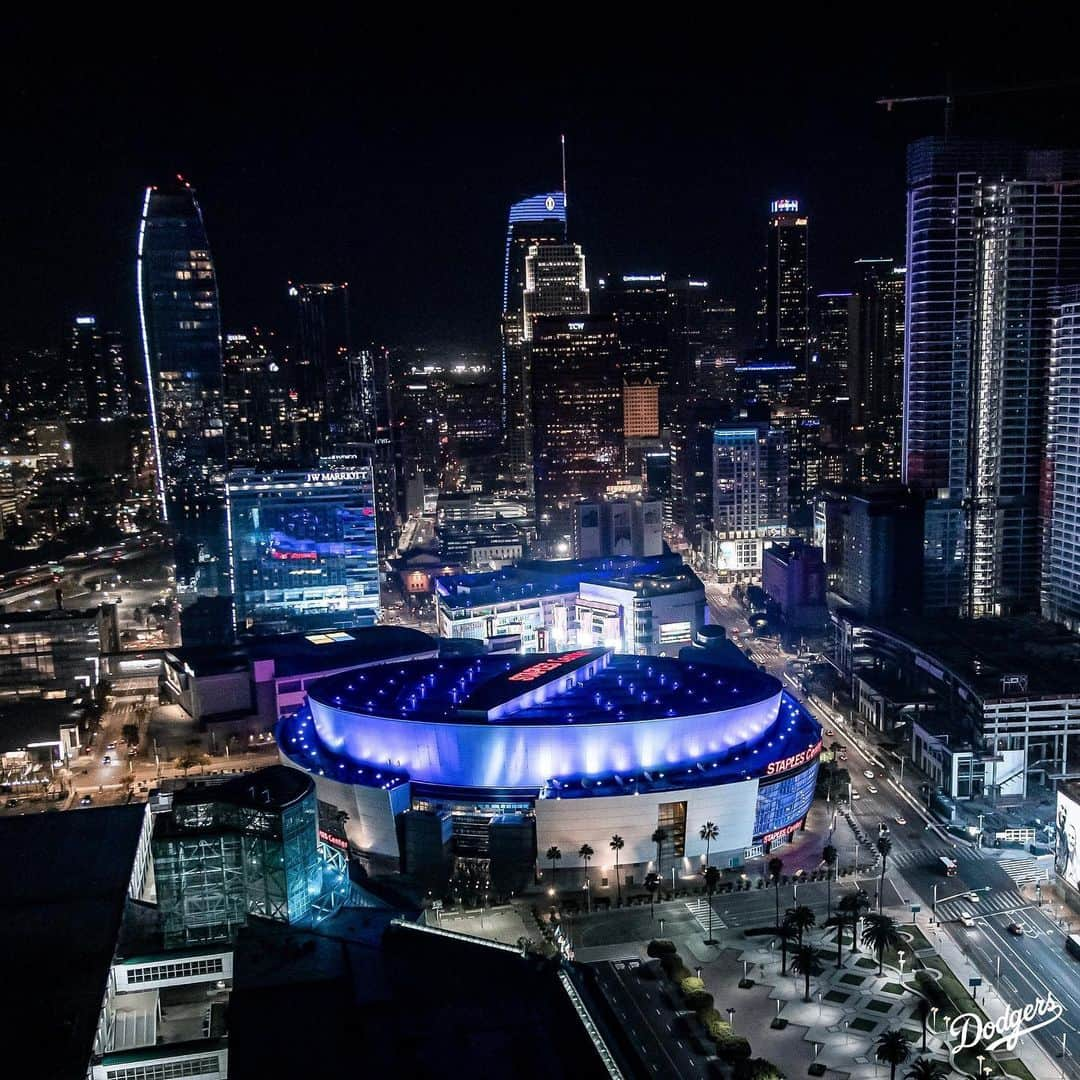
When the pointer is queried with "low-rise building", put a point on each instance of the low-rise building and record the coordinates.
(245, 689)
(793, 577)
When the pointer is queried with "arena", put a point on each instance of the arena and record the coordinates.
(581, 745)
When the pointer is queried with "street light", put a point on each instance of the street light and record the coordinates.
(731, 1018)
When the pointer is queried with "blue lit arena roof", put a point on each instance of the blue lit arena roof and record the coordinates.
(605, 689)
(584, 722)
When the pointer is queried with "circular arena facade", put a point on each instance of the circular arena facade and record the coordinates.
(587, 744)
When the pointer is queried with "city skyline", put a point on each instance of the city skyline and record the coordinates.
(285, 199)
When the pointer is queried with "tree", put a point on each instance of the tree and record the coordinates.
(852, 907)
(130, 733)
(616, 845)
(922, 1014)
(712, 879)
(925, 1068)
(658, 837)
(892, 1048)
(801, 919)
(829, 855)
(804, 962)
(881, 933)
(775, 866)
(708, 832)
(786, 933)
(884, 846)
(652, 883)
(189, 759)
(585, 853)
(553, 855)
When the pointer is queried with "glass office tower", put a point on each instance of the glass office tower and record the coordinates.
(539, 219)
(992, 231)
(181, 341)
(303, 552)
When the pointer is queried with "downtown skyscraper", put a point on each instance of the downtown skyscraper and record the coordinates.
(539, 219)
(992, 231)
(180, 327)
(785, 304)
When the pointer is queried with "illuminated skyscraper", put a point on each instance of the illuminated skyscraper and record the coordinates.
(786, 313)
(303, 549)
(992, 231)
(577, 416)
(554, 283)
(539, 219)
(181, 343)
(97, 373)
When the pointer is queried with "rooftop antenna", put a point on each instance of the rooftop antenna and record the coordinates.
(562, 142)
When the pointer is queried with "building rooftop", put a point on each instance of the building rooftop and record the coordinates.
(647, 585)
(535, 578)
(1013, 657)
(63, 882)
(273, 788)
(304, 654)
(31, 721)
(505, 689)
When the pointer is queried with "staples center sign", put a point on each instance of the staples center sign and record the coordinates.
(535, 671)
(970, 1030)
(787, 764)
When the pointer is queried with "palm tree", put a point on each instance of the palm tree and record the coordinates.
(616, 845)
(922, 1014)
(712, 878)
(855, 904)
(801, 919)
(785, 932)
(804, 962)
(925, 1068)
(658, 837)
(553, 855)
(884, 846)
(893, 1049)
(652, 883)
(585, 853)
(708, 832)
(829, 856)
(881, 933)
(775, 866)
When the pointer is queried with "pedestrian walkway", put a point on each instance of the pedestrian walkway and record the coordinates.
(1025, 871)
(998, 902)
(700, 910)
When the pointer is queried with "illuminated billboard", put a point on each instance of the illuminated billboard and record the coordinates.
(1067, 835)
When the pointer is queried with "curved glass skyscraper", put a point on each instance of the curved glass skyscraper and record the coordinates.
(180, 328)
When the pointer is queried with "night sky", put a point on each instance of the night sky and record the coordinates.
(392, 167)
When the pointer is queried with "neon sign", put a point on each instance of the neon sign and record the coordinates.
(970, 1029)
(785, 206)
(794, 761)
(535, 671)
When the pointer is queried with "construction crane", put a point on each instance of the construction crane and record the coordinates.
(949, 97)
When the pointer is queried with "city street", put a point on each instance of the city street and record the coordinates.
(1020, 968)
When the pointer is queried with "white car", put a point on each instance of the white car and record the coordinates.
(872, 789)
(901, 821)
(968, 921)
(868, 774)
(973, 897)
(854, 795)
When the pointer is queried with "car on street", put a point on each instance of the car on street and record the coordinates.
(872, 789)
(868, 773)
(830, 733)
(1015, 929)
(106, 760)
(901, 820)
(968, 921)
(12, 803)
(973, 896)
(854, 795)
(111, 746)
(86, 800)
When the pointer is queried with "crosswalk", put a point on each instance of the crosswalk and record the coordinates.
(928, 856)
(1025, 871)
(700, 910)
(995, 902)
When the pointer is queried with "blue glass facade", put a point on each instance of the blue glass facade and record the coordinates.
(303, 552)
(180, 327)
(784, 802)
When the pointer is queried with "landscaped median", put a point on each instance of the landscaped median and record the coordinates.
(731, 1049)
